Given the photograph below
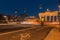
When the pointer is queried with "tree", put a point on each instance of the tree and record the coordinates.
(2, 17)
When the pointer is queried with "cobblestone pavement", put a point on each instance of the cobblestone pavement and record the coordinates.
(54, 34)
(36, 33)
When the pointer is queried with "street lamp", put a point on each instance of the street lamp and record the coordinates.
(59, 12)
(6, 19)
(16, 12)
(5, 16)
(41, 6)
(59, 15)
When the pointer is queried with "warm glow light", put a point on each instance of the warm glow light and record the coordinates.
(5, 16)
(48, 10)
(42, 19)
(59, 6)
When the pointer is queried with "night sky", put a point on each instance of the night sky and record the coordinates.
(32, 6)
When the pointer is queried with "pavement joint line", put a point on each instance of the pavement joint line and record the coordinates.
(15, 31)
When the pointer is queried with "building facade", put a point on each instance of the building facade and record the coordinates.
(49, 16)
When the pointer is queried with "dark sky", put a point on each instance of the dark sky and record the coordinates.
(32, 6)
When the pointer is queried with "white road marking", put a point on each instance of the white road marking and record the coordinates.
(16, 31)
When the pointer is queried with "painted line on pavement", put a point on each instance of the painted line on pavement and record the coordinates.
(16, 31)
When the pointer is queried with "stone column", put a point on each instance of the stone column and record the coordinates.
(49, 18)
(40, 18)
(53, 18)
(45, 18)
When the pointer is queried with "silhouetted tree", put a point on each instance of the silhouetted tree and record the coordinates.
(2, 17)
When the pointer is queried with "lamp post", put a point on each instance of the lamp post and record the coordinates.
(16, 14)
(6, 18)
(41, 18)
(41, 6)
(59, 13)
(59, 16)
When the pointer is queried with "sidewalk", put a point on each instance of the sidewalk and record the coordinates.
(53, 35)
